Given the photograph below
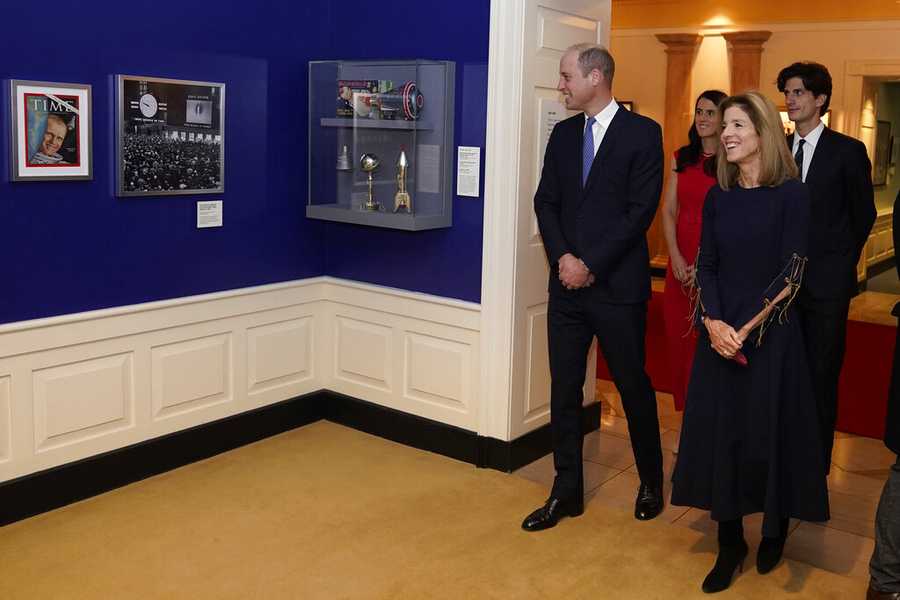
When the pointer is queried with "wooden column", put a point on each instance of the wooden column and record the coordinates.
(680, 50)
(746, 55)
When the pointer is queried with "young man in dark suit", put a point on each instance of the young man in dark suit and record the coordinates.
(599, 190)
(838, 172)
(884, 567)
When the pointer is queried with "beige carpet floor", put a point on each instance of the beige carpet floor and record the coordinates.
(327, 512)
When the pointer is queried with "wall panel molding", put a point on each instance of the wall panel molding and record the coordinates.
(363, 352)
(279, 354)
(82, 400)
(537, 399)
(81, 385)
(5, 430)
(438, 370)
(188, 375)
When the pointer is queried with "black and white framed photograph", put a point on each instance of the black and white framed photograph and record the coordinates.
(50, 131)
(171, 136)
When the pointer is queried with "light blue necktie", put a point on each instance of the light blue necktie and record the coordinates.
(587, 151)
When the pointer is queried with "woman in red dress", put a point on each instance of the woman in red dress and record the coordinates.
(694, 172)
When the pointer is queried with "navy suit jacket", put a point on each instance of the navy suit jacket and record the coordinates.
(841, 215)
(604, 222)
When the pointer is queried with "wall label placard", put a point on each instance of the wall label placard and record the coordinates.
(209, 213)
(468, 171)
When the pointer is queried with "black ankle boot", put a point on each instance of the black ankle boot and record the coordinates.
(730, 559)
(770, 549)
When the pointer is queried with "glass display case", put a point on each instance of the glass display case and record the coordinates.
(381, 143)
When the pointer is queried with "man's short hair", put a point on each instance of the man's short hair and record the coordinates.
(594, 56)
(59, 119)
(815, 77)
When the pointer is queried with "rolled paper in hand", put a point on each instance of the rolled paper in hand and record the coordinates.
(794, 268)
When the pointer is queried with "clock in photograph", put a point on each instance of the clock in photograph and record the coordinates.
(148, 105)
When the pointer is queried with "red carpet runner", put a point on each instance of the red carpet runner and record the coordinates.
(862, 403)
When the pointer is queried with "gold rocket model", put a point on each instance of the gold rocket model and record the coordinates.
(402, 201)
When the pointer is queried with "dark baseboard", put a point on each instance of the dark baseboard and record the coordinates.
(879, 268)
(47, 490)
(400, 427)
(433, 436)
(509, 456)
(39, 492)
(875, 270)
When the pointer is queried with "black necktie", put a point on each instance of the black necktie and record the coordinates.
(798, 158)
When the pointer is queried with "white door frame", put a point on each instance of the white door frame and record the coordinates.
(505, 149)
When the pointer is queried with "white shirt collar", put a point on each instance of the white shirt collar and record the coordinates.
(812, 138)
(605, 116)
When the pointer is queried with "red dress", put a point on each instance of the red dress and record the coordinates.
(681, 338)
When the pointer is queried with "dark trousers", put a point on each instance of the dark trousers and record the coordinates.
(572, 323)
(884, 567)
(824, 325)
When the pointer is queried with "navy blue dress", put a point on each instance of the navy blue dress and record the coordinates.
(750, 440)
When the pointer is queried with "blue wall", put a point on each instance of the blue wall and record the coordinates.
(445, 262)
(74, 246)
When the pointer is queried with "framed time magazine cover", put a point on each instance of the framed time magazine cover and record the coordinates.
(170, 137)
(50, 131)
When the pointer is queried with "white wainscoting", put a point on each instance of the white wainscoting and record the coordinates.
(78, 385)
(412, 352)
(4, 419)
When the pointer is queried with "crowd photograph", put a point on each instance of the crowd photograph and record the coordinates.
(159, 163)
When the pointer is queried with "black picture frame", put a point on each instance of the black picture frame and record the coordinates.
(170, 136)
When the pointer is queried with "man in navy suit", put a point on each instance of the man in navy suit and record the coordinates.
(599, 190)
(839, 175)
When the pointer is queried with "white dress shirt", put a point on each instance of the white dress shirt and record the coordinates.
(601, 123)
(809, 148)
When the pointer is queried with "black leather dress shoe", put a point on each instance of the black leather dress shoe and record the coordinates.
(551, 512)
(873, 594)
(649, 502)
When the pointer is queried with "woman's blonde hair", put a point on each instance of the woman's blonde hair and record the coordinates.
(776, 165)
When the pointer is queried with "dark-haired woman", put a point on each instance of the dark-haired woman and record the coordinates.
(694, 172)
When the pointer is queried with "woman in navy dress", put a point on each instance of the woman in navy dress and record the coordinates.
(749, 440)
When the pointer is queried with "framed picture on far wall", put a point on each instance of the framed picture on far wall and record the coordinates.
(170, 137)
(882, 152)
(50, 131)
(788, 125)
